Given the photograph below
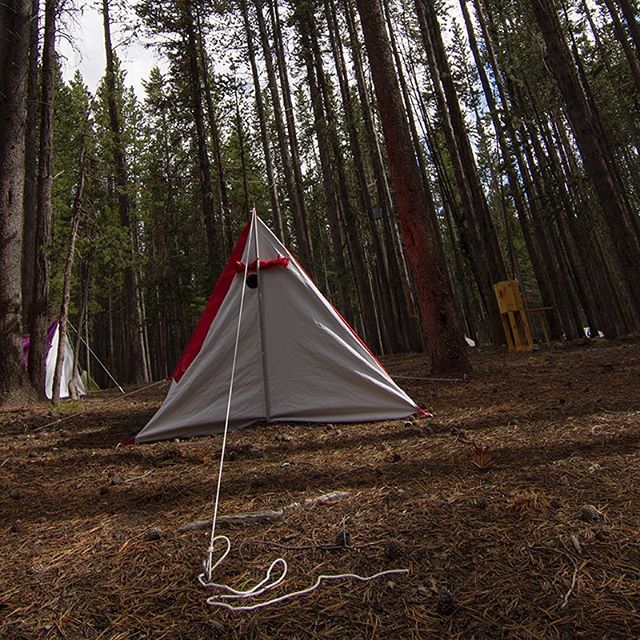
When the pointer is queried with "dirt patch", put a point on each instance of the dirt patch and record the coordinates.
(515, 509)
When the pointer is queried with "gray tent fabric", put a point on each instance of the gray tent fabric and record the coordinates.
(297, 359)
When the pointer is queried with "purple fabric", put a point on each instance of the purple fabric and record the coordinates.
(51, 332)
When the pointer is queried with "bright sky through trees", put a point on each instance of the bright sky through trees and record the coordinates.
(82, 48)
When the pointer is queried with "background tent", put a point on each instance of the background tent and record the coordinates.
(297, 359)
(51, 351)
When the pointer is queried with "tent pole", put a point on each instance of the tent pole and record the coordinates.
(263, 349)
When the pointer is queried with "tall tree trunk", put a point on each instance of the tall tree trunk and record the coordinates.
(214, 130)
(591, 146)
(289, 112)
(76, 215)
(445, 341)
(39, 312)
(627, 102)
(621, 36)
(479, 202)
(404, 309)
(631, 17)
(262, 121)
(391, 340)
(31, 165)
(83, 325)
(14, 61)
(472, 313)
(297, 206)
(528, 225)
(512, 176)
(328, 179)
(246, 214)
(133, 352)
(204, 166)
(472, 207)
(352, 231)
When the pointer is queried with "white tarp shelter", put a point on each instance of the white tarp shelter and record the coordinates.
(53, 339)
(297, 359)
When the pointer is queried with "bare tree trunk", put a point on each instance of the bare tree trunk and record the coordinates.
(482, 213)
(528, 225)
(214, 130)
(475, 223)
(627, 102)
(390, 340)
(289, 116)
(621, 36)
(328, 179)
(512, 176)
(204, 166)
(297, 206)
(631, 17)
(31, 166)
(592, 148)
(404, 310)
(246, 215)
(76, 215)
(133, 352)
(262, 120)
(83, 325)
(39, 312)
(445, 341)
(14, 61)
(352, 231)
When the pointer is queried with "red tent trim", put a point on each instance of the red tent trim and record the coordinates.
(263, 264)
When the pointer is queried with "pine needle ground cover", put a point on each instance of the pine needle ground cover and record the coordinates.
(516, 510)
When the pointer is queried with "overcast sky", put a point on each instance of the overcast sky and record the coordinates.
(87, 52)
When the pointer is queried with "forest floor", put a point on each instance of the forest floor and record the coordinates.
(486, 505)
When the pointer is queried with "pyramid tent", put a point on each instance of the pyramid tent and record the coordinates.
(51, 351)
(297, 359)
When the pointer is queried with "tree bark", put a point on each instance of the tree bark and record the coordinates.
(76, 216)
(353, 232)
(31, 166)
(404, 310)
(530, 228)
(14, 60)
(246, 214)
(214, 130)
(297, 207)
(289, 112)
(476, 223)
(133, 351)
(631, 18)
(481, 208)
(621, 36)
(390, 340)
(204, 166)
(328, 179)
(39, 312)
(591, 146)
(262, 121)
(444, 338)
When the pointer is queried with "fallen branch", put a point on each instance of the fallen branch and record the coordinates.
(268, 515)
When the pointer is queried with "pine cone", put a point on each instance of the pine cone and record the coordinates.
(153, 534)
(589, 513)
(393, 549)
(445, 602)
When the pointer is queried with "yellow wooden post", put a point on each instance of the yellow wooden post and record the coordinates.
(514, 316)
